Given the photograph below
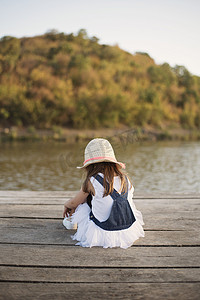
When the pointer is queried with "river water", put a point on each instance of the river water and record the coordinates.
(153, 167)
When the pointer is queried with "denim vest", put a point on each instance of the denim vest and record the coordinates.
(121, 215)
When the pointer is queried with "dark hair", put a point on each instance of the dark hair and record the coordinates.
(109, 170)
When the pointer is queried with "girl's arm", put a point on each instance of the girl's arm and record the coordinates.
(71, 205)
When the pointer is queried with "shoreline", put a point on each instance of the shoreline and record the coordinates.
(67, 135)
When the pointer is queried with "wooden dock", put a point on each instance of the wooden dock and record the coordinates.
(38, 259)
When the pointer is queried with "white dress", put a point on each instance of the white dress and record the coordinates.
(89, 234)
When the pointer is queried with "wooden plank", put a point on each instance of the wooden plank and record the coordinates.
(54, 194)
(169, 223)
(154, 208)
(53, 232)
(169, 204)
(159, 222)
(88, 291)
(34, 200)
(49, 211)
(152, 238)
(26, 194)
(148, 218)
(38, 274)
(61, 201)
(70, 256)
(38, 259)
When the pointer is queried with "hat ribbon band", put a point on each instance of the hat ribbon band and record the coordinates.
(100, 157)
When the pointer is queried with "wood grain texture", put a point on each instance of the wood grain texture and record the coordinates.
(39, 260)
(48, 255)
(53, 232)
(61, 201)
(53, 194)
(90, 291)
(55, 274)
(179, 208)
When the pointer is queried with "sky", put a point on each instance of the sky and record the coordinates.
(168, 30)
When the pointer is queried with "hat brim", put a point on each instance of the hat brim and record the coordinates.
(122, 165)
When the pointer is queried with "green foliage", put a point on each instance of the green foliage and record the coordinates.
(161, 74)
(9, 53)
(110, 53)
(71, 80)
(149, 95)
(184, 77)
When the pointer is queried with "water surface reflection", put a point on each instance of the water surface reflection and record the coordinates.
(153, 167)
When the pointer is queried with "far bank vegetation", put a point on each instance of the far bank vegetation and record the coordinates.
(74, 81)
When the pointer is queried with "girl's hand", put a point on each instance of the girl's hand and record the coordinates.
(67, 211)
(72, 204)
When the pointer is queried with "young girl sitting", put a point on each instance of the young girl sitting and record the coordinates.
(103, 209)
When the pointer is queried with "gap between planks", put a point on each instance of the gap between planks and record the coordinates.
(99, 267)
(70, 245)
(94, 282)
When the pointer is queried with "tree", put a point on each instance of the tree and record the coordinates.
(184, 77)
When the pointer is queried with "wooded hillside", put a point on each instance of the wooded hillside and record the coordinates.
(72, 80)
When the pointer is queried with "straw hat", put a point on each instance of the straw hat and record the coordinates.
(99, 150)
